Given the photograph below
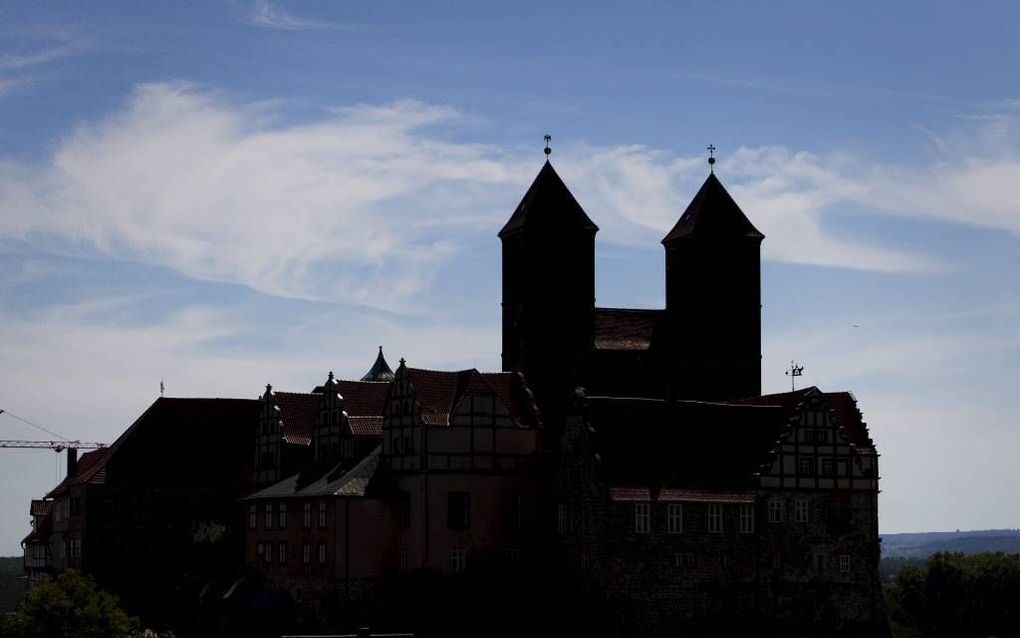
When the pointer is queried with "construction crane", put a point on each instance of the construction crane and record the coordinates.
(58, 446)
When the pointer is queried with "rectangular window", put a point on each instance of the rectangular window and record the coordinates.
(806, 466)
(458, 510)
(322, 553)
(690, 560)
(513, 558)
(283, 516)
(561, 518)
(308, 514)
(458, 560)
(642, 518)
(585, 560)
(405, 562)
(844, 563)
(801, 510)
(747, 519)
(405, 510)
(322, 513)
(828, 467)
(675, 518)
(819, 562)
(775, 511)
(841, 468)
(587, 521)
(777, 561)
(726, 560)
(408, 444)
(715, 518)
(347, 448)
(269, 552)
(269, 516)
(514, 510)
(282, 553)
(253, 516)
(306, 553)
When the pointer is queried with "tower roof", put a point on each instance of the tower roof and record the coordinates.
(548, 196)
(380, 369)
(713, 212)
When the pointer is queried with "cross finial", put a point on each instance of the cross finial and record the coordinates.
(548, 138)
(711, 157)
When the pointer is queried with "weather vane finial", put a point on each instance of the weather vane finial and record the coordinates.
(711, 157)
(548, 138)
(794, 372)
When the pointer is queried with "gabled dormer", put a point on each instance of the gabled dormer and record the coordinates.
(333, 439)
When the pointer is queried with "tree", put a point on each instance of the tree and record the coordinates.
(69, 606)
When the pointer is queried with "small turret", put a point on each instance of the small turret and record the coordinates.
(380, 370)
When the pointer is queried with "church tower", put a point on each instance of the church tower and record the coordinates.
(548, 288)
(713, 299)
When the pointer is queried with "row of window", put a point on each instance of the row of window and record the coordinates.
(280, 515)
(836, 512)
(808, 466)
(265, 550)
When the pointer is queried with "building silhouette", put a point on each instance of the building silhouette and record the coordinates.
(621, 476)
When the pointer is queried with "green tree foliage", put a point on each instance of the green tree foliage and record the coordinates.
(69, 606)
(958, 596)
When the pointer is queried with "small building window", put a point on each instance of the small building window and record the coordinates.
(458, 560)
(306, 553)
(283, 516)
(269, 552)
(844, 563)
(819, 562)
(801, 510)
(405, 510)
(308, 514)
(675, 518)
(726, 560)
(715, 518)
(282, 553)
(777, 561)
(405, 562)
(642, 518)
(585, 560)
(347, 448)
(408, 444)
(775, 511)
(747, 519)
(561, 518)
(322, 553)
(458, 510)
(841, 468)
(828, 467)
(806, 466)
(513, 558)
(269, 516)
(690, 560)
(253, 516)
(514, 507)
(322, 514)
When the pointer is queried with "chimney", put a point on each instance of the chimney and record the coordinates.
(72, 461)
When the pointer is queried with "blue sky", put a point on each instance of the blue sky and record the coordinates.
(225, 194)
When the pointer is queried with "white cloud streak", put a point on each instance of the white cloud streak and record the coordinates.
(365, 204)
(267, 14)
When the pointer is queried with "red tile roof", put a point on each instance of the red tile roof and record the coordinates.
(625, 328)
(843, 404)
(91, 469)
(40, 507)
(299, 413)
(673, 495)
(438, 392)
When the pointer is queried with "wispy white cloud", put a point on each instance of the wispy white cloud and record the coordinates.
(268, 14)
(368, 202)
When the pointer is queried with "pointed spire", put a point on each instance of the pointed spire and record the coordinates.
(550, 202)
(713, 212)
(380, 369)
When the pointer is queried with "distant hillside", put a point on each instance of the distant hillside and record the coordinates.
(924, 544)
(11, 583)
